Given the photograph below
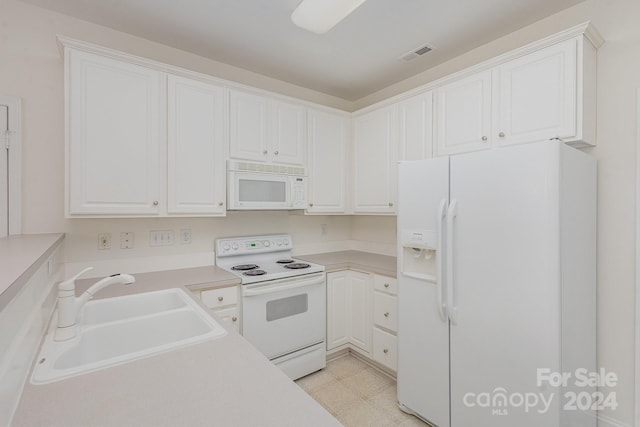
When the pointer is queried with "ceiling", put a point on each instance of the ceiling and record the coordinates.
(359, 56)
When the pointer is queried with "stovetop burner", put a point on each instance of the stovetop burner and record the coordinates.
(243, 267)
(284, 261)
(297, 265)
(254, 273)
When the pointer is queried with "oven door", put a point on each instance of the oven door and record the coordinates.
(257, 191)
(282, 316)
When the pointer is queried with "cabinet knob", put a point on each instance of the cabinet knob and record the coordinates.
(484, 138)
(385, 351)
(386, 285)
(220, 298)
(234, 319)
(264, 151)
(386, 314)
(220, 203)
(390, 204)
(501, 134)
(155, 203)
(275, 152)
(310, 205)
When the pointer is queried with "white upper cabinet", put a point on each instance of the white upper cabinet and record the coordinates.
(267, 130)
(248, 123)
(289, 133)
(537, 96)
(375, 154)
(328, 160)
(415, 127)
(114, 125)
(546, 93)
(197, 139)
(463, 115)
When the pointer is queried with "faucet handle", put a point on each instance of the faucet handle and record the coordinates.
(70, 284)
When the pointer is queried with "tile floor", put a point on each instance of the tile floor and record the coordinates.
(357, 395)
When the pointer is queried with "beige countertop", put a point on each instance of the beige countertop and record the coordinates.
(20, 256)
(223, 382)
(356, 260)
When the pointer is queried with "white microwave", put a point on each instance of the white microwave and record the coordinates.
(256, 186)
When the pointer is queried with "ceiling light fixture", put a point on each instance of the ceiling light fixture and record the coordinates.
(319, 16)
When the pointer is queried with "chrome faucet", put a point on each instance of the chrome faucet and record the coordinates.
(69, 306)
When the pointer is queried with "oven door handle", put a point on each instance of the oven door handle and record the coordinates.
(267, 289)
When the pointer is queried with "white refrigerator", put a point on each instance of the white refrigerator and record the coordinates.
(497, 291)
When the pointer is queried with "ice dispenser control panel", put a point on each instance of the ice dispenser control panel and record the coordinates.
(419, 253)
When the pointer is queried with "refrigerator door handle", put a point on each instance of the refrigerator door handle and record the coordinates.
(440, 258)
(452, 310)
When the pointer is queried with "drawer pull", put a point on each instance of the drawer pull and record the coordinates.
(386, 314)
(386, 285)
(234, 319)
(385, 351)
(220, 299)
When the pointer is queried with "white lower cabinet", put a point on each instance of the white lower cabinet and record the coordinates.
(362, 313)
(223, 302)
(348, 310)
(385, 321)
(385, 349)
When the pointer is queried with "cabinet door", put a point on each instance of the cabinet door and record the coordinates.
(114, 136)
(385, 311)
(415, 126)
(338, 309)
(375, 155)
(385, 349)
(360, 316)
(289, 136)
(538, 96)
(249, 132)
(229, 316)
(197, 120)
(328, 136)
(463, 115)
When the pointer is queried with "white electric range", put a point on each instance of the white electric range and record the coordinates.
(283, 307)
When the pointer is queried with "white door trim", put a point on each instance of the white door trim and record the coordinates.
(637, 358)
(15, 161)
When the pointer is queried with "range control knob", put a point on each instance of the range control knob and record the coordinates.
(266, 243)
(279, 242)
(226, 247)
(234, 246)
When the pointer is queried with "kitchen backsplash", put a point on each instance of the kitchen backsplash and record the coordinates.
(193, 238)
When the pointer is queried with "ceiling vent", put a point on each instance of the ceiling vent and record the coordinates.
(414, 53)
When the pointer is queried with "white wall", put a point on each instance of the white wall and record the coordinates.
(32, 69)
(618, 78)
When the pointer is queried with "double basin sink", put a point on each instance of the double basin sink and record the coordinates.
(117, 330)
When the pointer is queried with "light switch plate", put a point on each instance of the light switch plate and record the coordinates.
(161, 238)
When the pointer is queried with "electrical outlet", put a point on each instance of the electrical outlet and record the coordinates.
(185, 237)
(126, 240)
(161, 238)
(104, 241)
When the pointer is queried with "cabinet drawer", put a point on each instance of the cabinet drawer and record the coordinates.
(216, 298)
(385, 311)
(229, 316)
(385, 284)
(385, 349)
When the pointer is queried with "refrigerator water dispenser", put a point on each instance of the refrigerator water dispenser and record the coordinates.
(419, 253)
